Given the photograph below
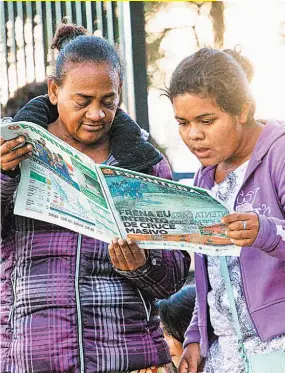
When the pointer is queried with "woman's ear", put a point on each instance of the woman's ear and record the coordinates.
(243, 117)
(53, 89)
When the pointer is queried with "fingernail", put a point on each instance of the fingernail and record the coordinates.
(29, 146)
(129, 241)
(21, 139)
(223, 221)
(120, 241)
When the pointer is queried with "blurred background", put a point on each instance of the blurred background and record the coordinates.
(153, 37)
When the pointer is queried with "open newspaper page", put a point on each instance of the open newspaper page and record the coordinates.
(162, 214)
(60, 185)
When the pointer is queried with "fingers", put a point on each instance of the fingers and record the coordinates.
(8, 145)
(183, 366)
(11, 154)
(232, 218)
(240, 225)
(186, 366)
(190, 359)
(117, 256)
(126, 255)
(242, 228)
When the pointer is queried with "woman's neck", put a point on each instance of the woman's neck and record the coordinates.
(98, 151)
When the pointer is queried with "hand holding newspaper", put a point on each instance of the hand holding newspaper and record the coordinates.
(62, 186)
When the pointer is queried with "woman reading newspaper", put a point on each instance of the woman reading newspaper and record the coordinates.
(70, 303)
(238, 324)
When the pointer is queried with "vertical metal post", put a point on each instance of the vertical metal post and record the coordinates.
(110, 26)
(12, 70)
(89, 17)
(20, 43)
(125, 40)
(4, 89)
(68, 11)
(99, 17)
(29, 31)
(49, 33)
(78, 13)
(58, 15)
(139, 62)
(39, 44)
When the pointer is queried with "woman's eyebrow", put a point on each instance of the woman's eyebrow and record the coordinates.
(111, 94)
(204, 115)
(83, 95)
(198, 116)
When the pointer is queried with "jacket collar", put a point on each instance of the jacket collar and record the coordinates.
(129, 147)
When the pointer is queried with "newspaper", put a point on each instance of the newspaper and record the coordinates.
(62, 186)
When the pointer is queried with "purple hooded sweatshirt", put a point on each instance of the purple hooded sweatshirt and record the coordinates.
(263, 264)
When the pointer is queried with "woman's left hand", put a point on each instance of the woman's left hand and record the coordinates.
(242, 228)
(126, 255)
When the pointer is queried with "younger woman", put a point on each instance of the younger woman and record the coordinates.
(243, 164)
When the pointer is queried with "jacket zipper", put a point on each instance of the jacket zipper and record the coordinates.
(239, 259)
(78, 308)
(147, 312)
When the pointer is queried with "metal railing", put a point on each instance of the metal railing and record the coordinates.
(27, 29)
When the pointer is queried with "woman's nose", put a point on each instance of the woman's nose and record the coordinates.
(195, 133)
(95, 113)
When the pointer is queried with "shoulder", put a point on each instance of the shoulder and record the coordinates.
(162, 169)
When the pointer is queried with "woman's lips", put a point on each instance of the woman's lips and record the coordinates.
(92, 127)
(202, 152)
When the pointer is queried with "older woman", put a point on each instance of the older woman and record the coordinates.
(238, 324)
(68, 303)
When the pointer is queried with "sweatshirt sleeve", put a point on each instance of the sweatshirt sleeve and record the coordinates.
(163, 274)
(271, 235)
(165, 270)
(8, 188)
(192, 334)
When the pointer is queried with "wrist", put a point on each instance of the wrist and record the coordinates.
(11, 173)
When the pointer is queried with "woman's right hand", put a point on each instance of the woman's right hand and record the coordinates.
(190, 359)
(11, 157)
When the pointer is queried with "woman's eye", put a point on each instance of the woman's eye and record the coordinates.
(207, 121)
(109, 104)
(82, 104)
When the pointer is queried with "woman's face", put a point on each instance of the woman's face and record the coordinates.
(175, 348)
(213, 135)
(87, 101)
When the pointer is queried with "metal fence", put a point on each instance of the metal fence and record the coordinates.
(27, 29)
